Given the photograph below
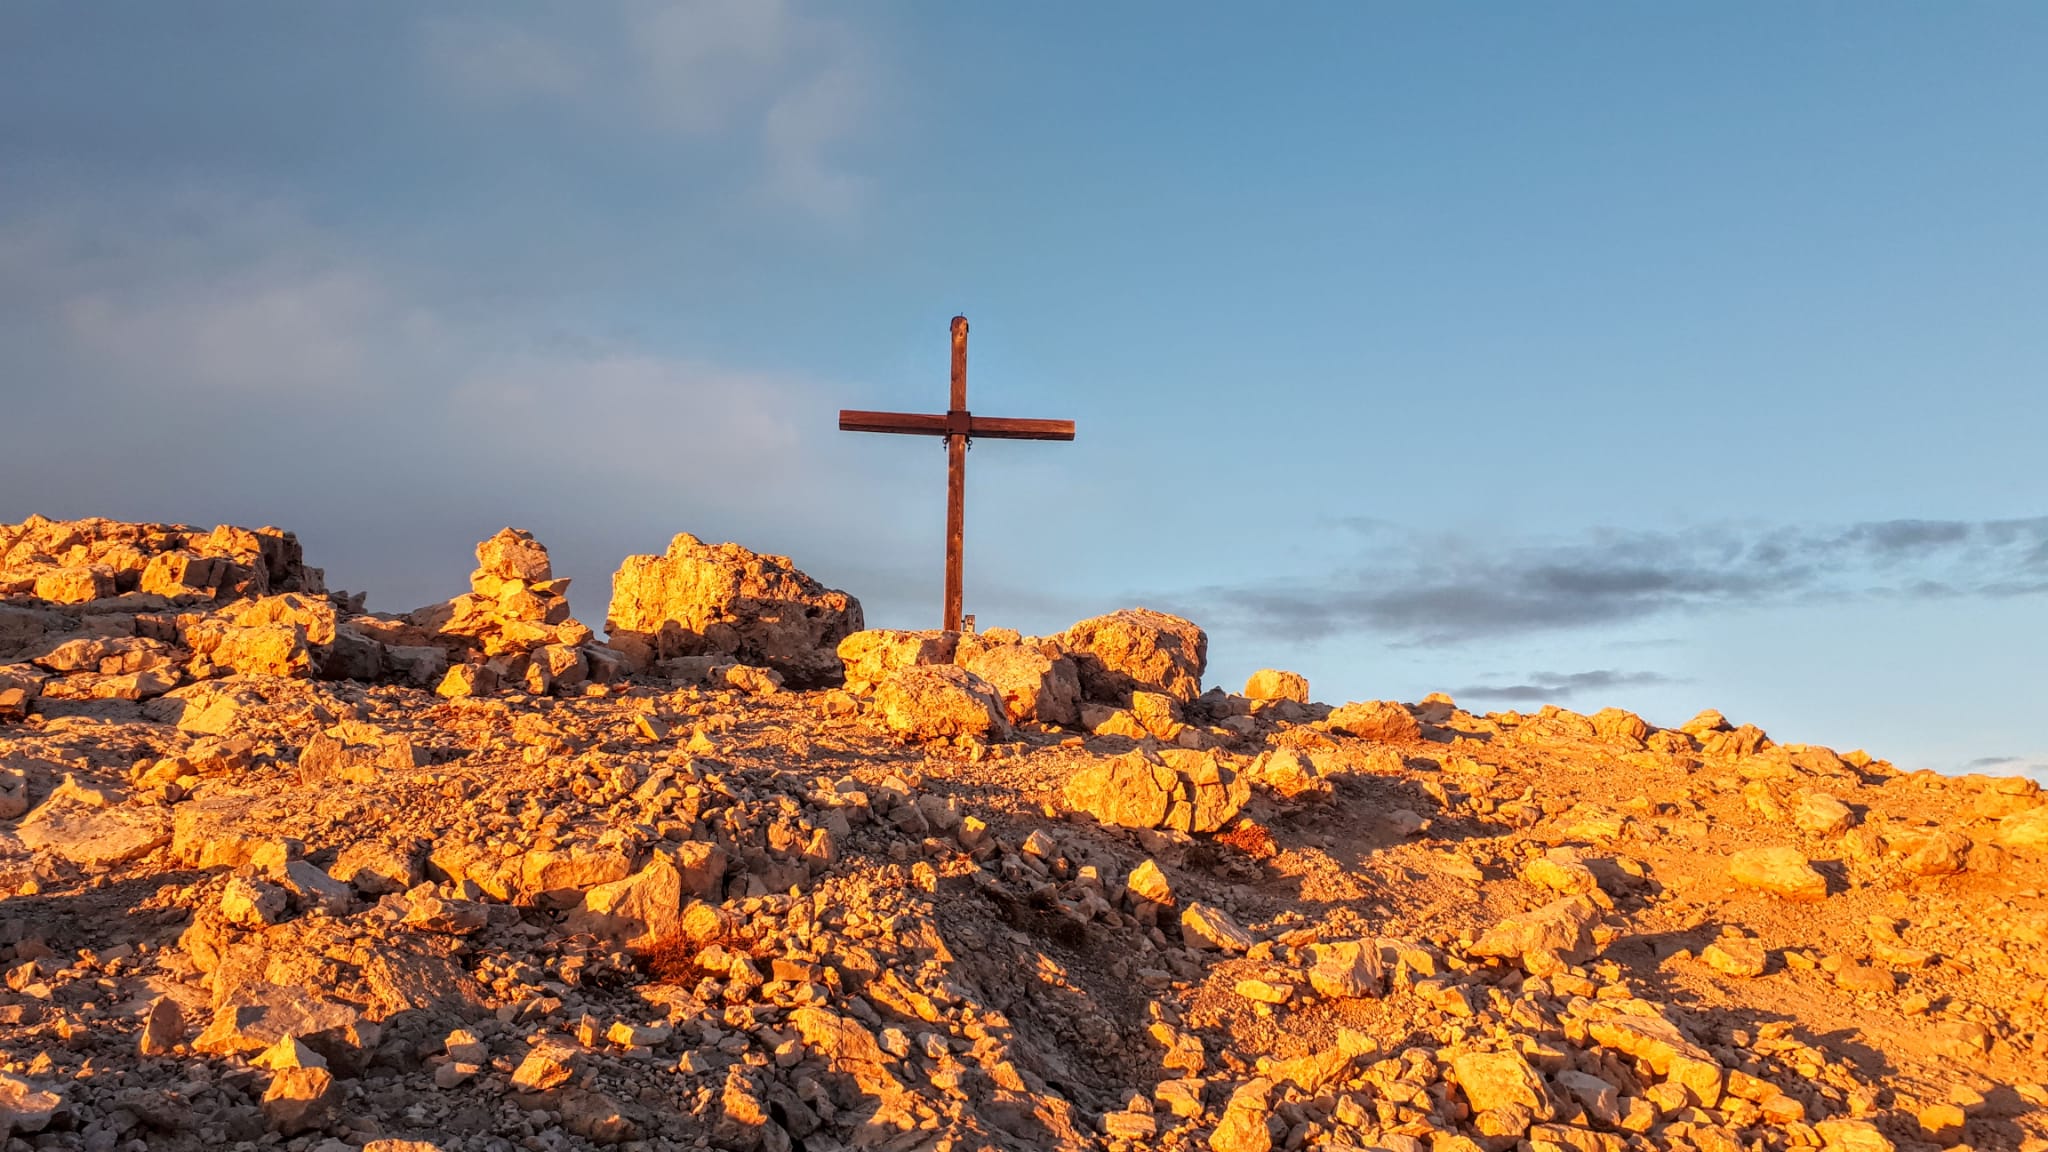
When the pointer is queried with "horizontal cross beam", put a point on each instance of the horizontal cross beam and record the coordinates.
(949, 423)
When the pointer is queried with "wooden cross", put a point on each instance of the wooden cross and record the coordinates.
(958, 426)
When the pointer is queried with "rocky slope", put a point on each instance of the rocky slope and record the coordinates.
(280, 872)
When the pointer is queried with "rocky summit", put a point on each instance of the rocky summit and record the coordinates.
(745, 874)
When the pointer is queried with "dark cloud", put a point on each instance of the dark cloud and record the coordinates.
(1426, 590)
(1543, 687)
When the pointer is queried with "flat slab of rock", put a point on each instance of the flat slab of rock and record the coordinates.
(1782, 870)
(96, 837)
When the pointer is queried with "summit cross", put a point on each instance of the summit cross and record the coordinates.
(958, 426)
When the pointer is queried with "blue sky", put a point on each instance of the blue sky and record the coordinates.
(1661, 356)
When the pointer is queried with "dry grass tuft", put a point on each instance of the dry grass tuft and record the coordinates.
(1250, 839)
(671, 959)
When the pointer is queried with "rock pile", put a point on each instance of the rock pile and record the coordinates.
(69, 562)
(512, 627)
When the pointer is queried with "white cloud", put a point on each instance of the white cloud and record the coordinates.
(493, 60)
(795, 88)
(274, 374)
(804, 128)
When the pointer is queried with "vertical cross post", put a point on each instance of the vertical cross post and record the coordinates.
(957, 426)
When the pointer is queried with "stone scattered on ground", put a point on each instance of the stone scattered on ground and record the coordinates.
(744, 875)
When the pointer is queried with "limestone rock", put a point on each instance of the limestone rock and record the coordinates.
(1148, 883)
(163, 1027)
(1207, 927)
(172, 560)
(1619, 726)
(636, 911)
(1383, 720)
(1346, 970)
(96, 838)
(1782, 870)
(252, 903)
(1138, 649)
(513, 554)
(1288, 773)
(283, 635)
(929, 702)
(1561, 928)
(1560, 870)
(1188, 792)
(547, 1065)
(24, 1107)
(2027, 829)
(1492, 1080)
(1033, 685)
(1823, 815)
(377, 867)
(1735, 956)
(1935, 852)
(1273, 684)
(723, 600)
(446, 916)
(1243, 1126)
(301, 1098)
(1129, 791)
(256, 1015)
(75, 584)
(1852, 1136)
(462, 680)
(873, 655)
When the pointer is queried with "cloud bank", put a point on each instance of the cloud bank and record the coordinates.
(793, 90)
(1547, 687)
(1421, 589)
(209, 359)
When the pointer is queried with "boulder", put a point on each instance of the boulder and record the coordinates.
(1128, 791)
(2027, 829)
(25, 1108)
(1383, 720)
(929, 702)
(634, 912)
(1138, 649)
(1148, 882)
(1619, 726)
(1346, 969)
(1274, 684)
(872, 655)
(1243, 1125)
(513, 554)
(1823, 814)
(724, 600)
(1782, 870)
(1182, 790)
(1212, 928)
(302, 1098)
(285, 635)
(1561, 928)
(1498, 1079)
(1033, 684)
(255, 1015)
(75, 584)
